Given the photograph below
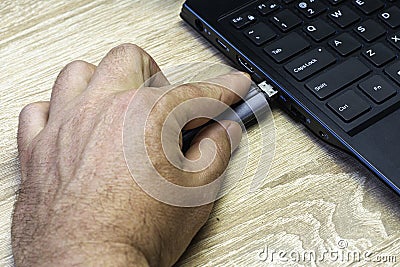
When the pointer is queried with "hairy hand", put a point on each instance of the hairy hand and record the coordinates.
(78, 203)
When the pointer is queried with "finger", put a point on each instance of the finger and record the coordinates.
(127, 67)
(71, 82)
(228, 89)
(32, 120)
(224, 137)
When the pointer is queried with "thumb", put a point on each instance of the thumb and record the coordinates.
(214, 143)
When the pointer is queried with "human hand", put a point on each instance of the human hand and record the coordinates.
(78, 203)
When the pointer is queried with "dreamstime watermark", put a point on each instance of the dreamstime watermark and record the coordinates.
(341, 253)
(160, 109)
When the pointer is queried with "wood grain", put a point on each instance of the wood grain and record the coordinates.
(313, 197)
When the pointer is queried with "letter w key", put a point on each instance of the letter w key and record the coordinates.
(343, 16)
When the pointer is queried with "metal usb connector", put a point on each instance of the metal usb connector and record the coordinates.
(268, 89)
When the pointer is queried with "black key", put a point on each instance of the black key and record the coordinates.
(268, 7)
(370, 30)
(310, 63)
(286, 20)
(378, 88)
(319, 30)
(345, 44)
(368, 6)
(349, 106)
(243, 20)
(379, 54)
(394, 39)
(335, 2)
(337, 78)
(311, 8)
(394, 72)
(260, 33)
(343, 16)
(286, 47)
(391, 16)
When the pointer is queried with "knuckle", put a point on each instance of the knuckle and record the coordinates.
(216, 91)
(29, 109)
(192, 87)
(202, 89)
(76, 66)
(72, 71)
(220, 94)
(127, 49)
(190, 90)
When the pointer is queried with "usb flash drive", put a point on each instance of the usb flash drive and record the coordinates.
(247, 111)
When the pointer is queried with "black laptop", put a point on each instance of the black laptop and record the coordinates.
(334, 65)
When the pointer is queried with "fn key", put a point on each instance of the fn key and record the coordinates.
(349, 106)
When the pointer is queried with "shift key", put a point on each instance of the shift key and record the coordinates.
(337, 78)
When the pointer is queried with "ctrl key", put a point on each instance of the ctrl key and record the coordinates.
(349, 106)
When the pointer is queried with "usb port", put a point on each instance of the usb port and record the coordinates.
(245, 64)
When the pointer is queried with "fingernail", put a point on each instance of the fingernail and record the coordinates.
(247, 75)
(235, 134)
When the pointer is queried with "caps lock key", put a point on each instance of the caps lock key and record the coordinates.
(310, 63)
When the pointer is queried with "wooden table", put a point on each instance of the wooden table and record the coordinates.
(315, 198)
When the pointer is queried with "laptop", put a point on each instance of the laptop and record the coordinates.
(333, 65)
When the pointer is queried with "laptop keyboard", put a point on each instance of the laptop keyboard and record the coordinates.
(341, 54)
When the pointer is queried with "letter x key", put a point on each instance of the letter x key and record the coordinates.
(395, 40)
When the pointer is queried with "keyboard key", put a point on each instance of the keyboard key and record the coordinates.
(379, 54)
(394, 39)
(394, 72)
(311, 8)
(370, 30)
(260, 33)
(337, 78)
(368, 6)
(343, 16)
(335, 2)
(319, 30)
(345, 44)
(391, 16)
(286, 20)
(286, 47)
(310, 63)
(349, 106)
(268, 7)
(243, 20)
(378, 89)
